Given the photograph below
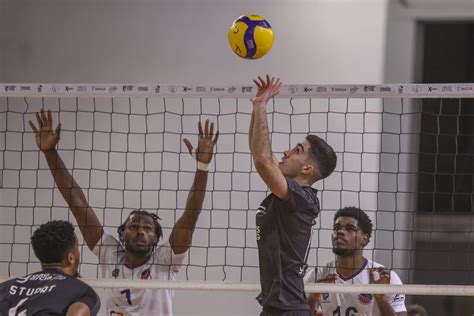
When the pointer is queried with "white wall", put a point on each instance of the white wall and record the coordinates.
(185, 41)
(404, 39)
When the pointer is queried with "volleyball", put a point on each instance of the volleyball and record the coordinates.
(250, 36)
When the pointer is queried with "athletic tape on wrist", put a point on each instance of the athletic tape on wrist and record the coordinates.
(201, 165)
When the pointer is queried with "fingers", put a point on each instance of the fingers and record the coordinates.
(45, 120)
(271, 83)
(43, 117)
(211, 130)
(33, 127)
(206, 129)
(371, 276)
(383, 275)
(188, 145)
(200, 129)
(257, 83)
(40, 121)
(49, 121)
(58, 129)
(215, 138)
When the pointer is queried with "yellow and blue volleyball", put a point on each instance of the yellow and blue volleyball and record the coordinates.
(250, 36)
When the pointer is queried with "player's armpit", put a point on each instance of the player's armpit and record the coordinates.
(272, 176)
(78, 309)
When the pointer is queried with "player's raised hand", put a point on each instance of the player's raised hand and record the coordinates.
(206, 141)
(384, 275)
(330, 278)
(46, 137)
(267, 88)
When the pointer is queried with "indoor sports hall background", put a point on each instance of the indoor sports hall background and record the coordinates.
(184, 42)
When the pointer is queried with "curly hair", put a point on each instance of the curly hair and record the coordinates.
(363, 220)
(154, 217)
(53, 240)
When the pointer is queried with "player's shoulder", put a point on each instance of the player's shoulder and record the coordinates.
(107, 239)
(372, 264)
(6, 284)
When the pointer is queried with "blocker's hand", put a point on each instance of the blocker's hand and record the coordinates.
(206, 143)
(46, 138)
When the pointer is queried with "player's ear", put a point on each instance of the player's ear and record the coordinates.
(308, 170)
(71, 259)
(365, 239)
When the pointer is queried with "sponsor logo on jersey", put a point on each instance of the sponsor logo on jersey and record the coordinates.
(145, 274)
(325, 296)
(399, 297)
(115, 273)
(365, 298)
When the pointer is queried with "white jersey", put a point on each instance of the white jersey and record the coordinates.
(163, 265)
(342, 304)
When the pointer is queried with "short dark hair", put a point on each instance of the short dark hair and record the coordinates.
(53, 240)
(154, 217)
(323, 155)
(363, 220)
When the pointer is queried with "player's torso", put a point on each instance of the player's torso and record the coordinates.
(334, 304)
(282, 254)
(127, 301)
(45, 293)
(359, 304)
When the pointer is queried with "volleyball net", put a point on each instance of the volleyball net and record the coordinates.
(404, 152)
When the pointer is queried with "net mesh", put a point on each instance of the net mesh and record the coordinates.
(124, 147)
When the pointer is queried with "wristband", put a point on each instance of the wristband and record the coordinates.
(203, 166)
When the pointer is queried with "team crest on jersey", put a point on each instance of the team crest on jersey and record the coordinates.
(325, 296)
(365, 299)
(145, 274)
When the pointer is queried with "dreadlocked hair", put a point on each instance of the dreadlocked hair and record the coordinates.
(154, 217)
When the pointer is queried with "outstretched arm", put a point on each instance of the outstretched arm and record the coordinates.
(182, 233)
(260, 146)
(46, 139)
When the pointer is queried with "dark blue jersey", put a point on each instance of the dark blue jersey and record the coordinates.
(284, 229)
(48, 292)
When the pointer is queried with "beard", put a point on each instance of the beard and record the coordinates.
(343, 252)
(142, 250)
